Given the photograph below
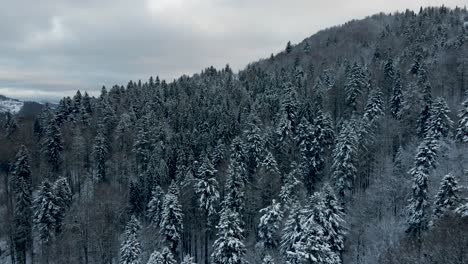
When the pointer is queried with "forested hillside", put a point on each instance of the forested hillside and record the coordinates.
(349, 147)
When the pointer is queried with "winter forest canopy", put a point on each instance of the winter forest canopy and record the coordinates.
(349, 147)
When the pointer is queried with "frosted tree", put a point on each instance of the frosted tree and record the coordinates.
(312, 245)
(269, 225)
(188, 260)
(291, 233)
(228, 248)
(462, 128)
(425, 112)
(206, 187)
(343, 167)
(155, 206)
(269, 163)
(45, 211)
(235, 187)
(334, 224)
(156, 258)
(448, 196)
(355, 83)
(286, 127)
(171, 221)
(268, 260)
(63, 199)
(130, 250)
(288, 47)
(439, 124)
(255, 142)
(374, 107)
(396, 102)
(418, 217)
(389, 75)
(53, 145)
(100, 151)
(22, 198)
(289, 193)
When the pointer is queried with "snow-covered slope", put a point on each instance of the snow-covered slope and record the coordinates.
(10, 105)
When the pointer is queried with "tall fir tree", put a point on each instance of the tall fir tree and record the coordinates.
(53, 145)
(396, 102)
(439, 124)
(130, 250)
(448, 198)
(45, 211)
(22, 198)
(228, 248)
(355, 83)
(171, 221)
(462, 128)
(155, 206)
(100, 151)
(269, 225)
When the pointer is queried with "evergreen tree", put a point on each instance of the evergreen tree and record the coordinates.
(100, 155)
(448, 196)
(334, 224)
(235, 186)
(188, 260)
(268, 260)
(374, 107)
(171, 221)
(45, 211)
(53, 145)
(228, 248)
(312, 245)
(155, 206)
(288, 47)
(396, 103)
(425, 113)
(63, 199)
(355, 83)
(343, 167)
(130, 250)
(22, 198)
(289, 193)
(269, 225)
(287, 123)
(418, 206)
(439, 124)
(206, 187)
(291, 234)
(462, 129)
(389, 75)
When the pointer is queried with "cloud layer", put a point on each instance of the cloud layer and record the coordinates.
(52, 49)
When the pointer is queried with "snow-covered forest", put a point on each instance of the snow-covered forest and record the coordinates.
(349, 147)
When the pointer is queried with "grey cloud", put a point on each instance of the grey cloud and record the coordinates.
(51, 49)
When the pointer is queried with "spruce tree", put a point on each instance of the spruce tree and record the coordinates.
(63, 199)
(396, 103)
(53, 145)
(22, 199)
(288, 47)
(355, 83)
(171, 221)
(462, 129)
(334, 226)
(235, 187)
(206, 187)
(291, 233)
(188, 260)
(130, 250)
(228, 248)
(439, 124)
(269, 225)
(448, 196)
(155, 206)
(344, 155)
(101, 151)
(45, 211)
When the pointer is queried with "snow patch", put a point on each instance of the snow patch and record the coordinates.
(10, 105)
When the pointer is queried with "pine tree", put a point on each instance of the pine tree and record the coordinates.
(374, 107)
(228, 248)
(287, 123)
(312, 245)
(53, 145)
(396, 103)
(343, 167)
(45, 211)
(171, 221)
(355, 83)
(22, 196)
(289, 193)
(63, 199)
(188, 260)
(130, 250)
(462, 129)
(206, 187)
(292, 232)
(334, 226)
(425, 113)
(268, 260)
(269, 225)
(288, 47)
(235, 186)
(439, 124)
(448, 196)
(100, 155)
(255, 149)
(389, 75)
(418, 206)
(155, 206)
(307, 48)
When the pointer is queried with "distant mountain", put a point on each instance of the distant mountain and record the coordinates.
(21, 108)
(10, 105)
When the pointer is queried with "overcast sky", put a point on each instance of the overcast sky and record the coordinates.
(51, 48)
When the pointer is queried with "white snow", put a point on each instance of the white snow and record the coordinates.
(10, 105)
